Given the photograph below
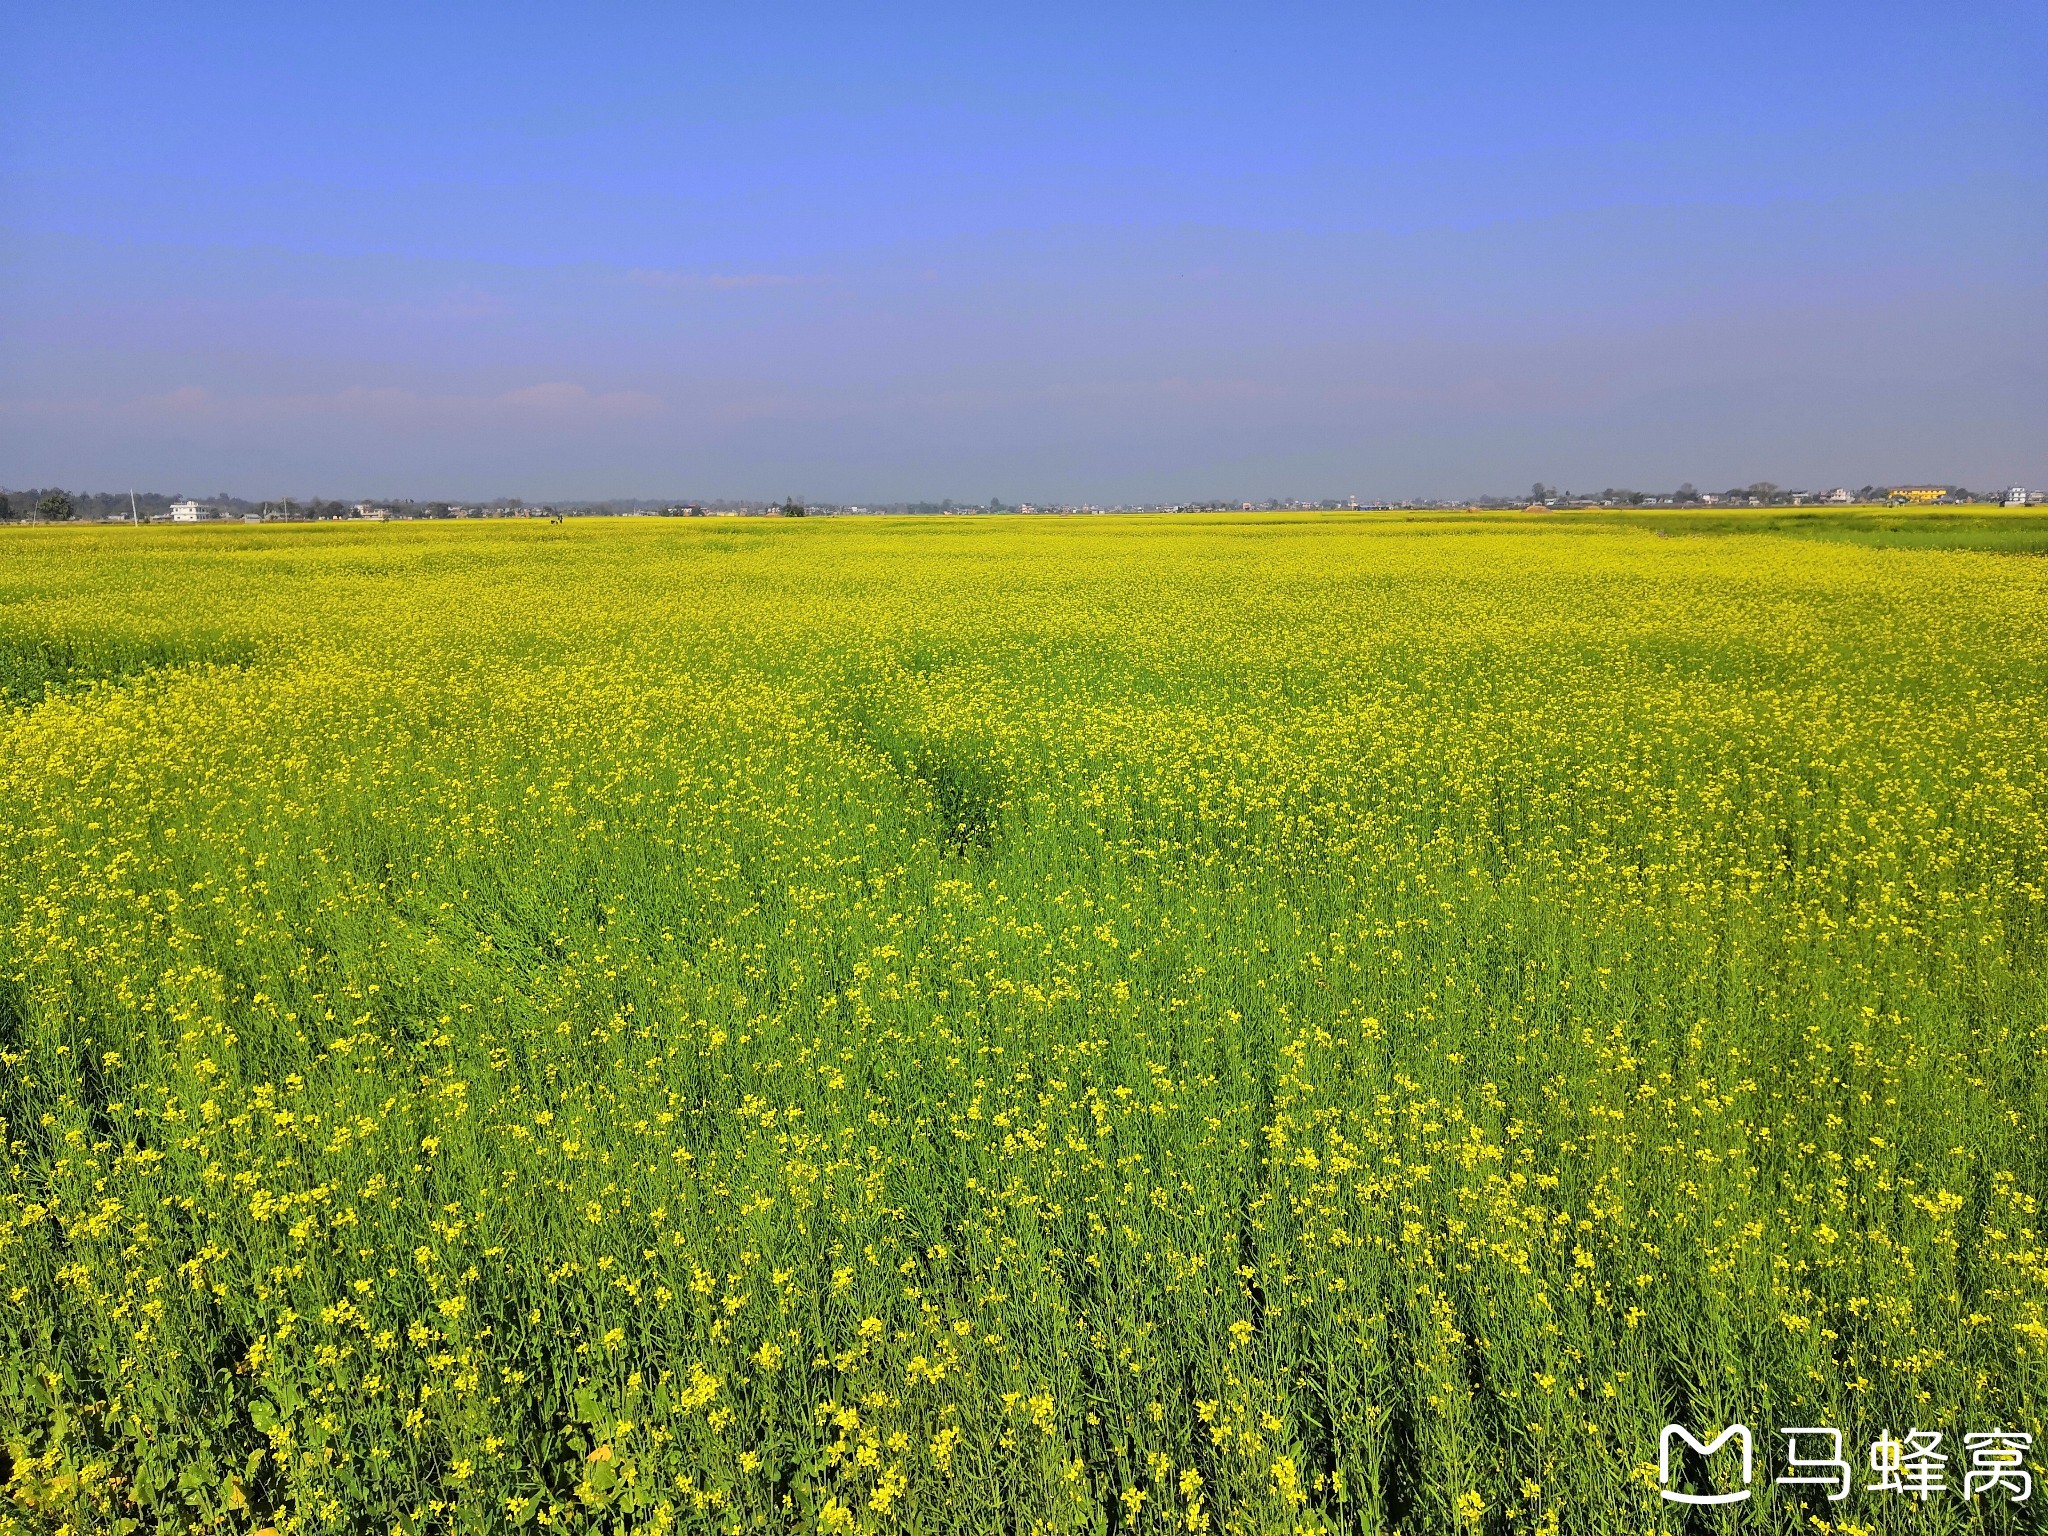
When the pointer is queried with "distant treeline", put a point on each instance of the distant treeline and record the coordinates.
(57, 505)
(54, 504)
(1761, 493)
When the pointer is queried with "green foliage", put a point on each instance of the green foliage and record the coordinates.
(1207, 1025)
(33, 663)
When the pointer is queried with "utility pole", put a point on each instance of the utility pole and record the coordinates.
(134, 516)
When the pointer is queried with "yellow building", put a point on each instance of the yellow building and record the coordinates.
(1917, 494)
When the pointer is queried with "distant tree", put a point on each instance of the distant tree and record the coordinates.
(792, 508)
(1763, 490)
(1687, 493)
(6, 507)
(55, 507)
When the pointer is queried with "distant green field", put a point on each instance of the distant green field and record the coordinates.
(2007, 536)
(1230, 1024)
(1994, 530)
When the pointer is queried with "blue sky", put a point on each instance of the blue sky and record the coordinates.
(1046, 252)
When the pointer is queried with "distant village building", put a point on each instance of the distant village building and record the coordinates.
(1841, 496)
(2016, 496)
(373, 514)
(187, 511)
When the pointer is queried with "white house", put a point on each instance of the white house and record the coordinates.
(186, 511)
(371, 512)
(2016, 496)
(1840, 496)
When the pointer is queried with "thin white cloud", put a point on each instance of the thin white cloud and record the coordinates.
(462, 303)
(656, 277)
(548, 402)
(561, 398)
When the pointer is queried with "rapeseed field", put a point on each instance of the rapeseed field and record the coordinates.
(999, 1025)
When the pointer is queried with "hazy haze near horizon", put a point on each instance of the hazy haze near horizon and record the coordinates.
(1059, 254)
